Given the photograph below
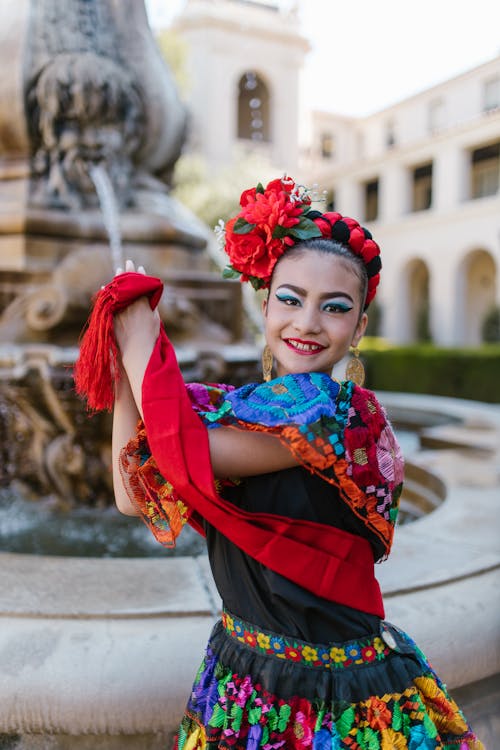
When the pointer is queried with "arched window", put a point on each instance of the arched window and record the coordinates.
(476, 294)
(415, 319)
(253, 108)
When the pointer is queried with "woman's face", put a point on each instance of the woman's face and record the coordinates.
(313, 312)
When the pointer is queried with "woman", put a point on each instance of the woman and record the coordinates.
(308, 478)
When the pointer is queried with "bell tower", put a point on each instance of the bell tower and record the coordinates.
(244, 64)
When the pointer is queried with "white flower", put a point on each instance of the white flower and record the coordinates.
(220, 233)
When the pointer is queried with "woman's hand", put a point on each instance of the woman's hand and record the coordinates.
(137, 327)
(136, 331)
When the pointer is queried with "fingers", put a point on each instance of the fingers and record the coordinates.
(130, 268)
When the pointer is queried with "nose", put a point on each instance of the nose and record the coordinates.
(308, 320)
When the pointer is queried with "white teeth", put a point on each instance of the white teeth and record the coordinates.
(305, 347)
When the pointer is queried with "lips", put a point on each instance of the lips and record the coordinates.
(304, 347)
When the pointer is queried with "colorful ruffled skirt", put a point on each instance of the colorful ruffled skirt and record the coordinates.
(258, 689)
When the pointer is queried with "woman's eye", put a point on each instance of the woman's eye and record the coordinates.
(336, 307)
(288, 300)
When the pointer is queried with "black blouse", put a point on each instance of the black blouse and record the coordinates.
(257, 594)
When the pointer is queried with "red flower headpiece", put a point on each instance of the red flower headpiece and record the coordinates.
(278, 217)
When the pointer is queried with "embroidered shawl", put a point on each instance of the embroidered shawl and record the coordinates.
(338, 431)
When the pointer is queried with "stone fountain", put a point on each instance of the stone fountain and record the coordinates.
(91, 126)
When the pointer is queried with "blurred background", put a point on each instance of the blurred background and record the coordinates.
(394, 113)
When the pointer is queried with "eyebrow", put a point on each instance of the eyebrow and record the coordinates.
(303, 292)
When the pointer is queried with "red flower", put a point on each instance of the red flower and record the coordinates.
(252, 254)
(294, 654)
(368, 653)
(269, 210)
(249, 638)
(276, 217)
(300, 730)
(286, 184)
(270, 220)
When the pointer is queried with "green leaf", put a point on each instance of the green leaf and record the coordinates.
(304, 234)
(222, 682)
(279, 232)
(345, 722)
(242, 226)
(218, 717)
(230, 273)
(272, 719)
(397, 719)
(370, 739)
(306, 229)
(259, 188)
(284, 716)
(429, 726)
(305, 222)
(254, 715)
(256, 283)
(236, 716)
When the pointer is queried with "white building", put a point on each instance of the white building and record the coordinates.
(422, 175)
(244, 61)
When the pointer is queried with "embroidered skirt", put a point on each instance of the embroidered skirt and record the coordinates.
(258, 689)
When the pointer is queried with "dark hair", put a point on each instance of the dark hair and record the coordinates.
(332, 247)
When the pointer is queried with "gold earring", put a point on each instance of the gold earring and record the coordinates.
(355, 370)
(267, 363)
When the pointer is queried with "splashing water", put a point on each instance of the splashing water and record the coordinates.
(110, 213)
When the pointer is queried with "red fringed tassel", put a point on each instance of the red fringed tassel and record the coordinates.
(96, 368)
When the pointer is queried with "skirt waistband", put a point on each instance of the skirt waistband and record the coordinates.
(333, 656)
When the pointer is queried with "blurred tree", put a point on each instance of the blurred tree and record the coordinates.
(490, 329)
(174, 51)
(215, 195)
(374, 319)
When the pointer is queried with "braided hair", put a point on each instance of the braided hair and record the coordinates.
(357, 240)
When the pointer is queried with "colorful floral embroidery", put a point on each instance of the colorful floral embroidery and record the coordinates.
(328, 656)
(337, 430)
(228, 710)
(160, 506)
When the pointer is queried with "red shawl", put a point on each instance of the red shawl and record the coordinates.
(331, 563)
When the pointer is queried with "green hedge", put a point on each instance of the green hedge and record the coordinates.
(472, 373)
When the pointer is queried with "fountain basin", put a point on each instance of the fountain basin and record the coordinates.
(102, 653)
(43, 527)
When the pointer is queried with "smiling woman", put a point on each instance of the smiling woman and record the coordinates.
(295, 483)
(314, 311)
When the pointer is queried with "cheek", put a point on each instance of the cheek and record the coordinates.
(343, 331)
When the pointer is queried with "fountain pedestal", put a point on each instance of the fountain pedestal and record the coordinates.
(84, 91)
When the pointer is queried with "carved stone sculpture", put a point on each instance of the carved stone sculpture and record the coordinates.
(84, 109)
(96, 99)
